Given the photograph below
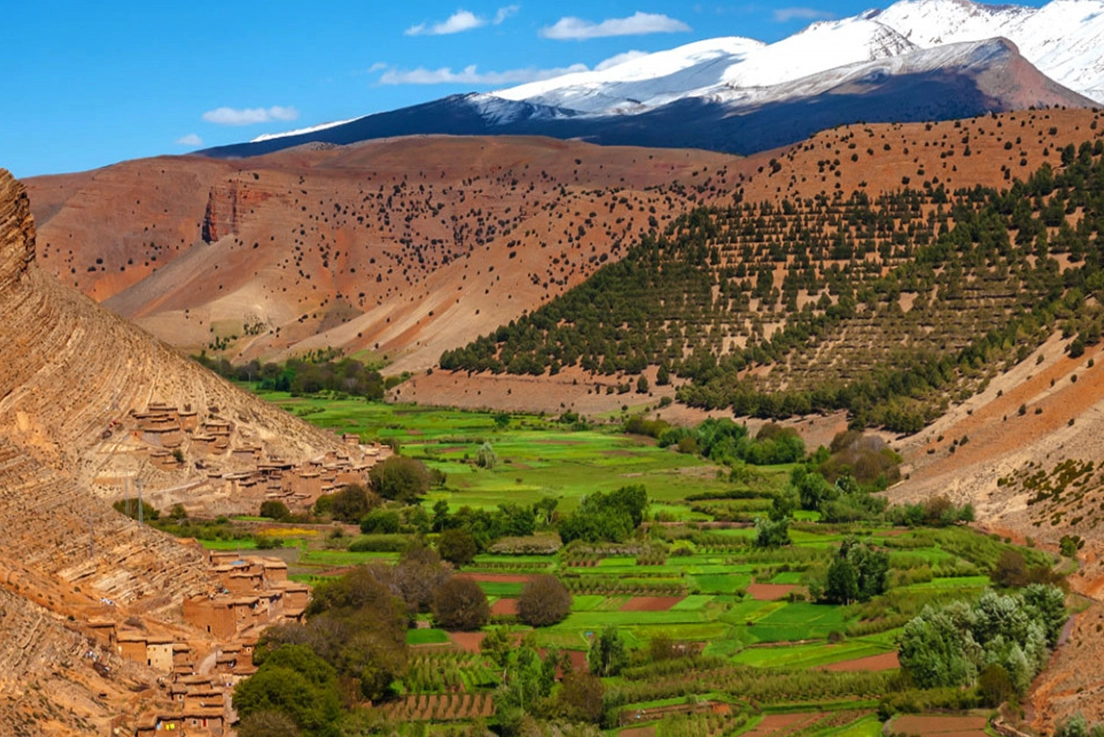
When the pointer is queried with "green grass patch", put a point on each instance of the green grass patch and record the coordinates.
(426, 637)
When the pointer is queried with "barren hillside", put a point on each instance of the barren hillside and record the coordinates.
(88, 402)
(398, 248)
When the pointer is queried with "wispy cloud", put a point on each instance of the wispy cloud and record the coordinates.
(250, 116)
(507, 12)
(785, 15)
(638, 24)
(190, 140)
(460, 21)
(619, 59)
(471, 74)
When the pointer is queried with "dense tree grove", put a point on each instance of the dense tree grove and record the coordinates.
(611, 517)
(298, 376)
(724, 441)
(952, 645)
(856, 573)
(724, 290)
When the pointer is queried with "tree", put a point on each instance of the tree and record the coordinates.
(268, 724)
(274, 509)
(352, 503)
(526, 684)
(858, 573)
(1010, 570)
(457, 546)
(486, 457)
(418, 576)
(381, 522)
(642, 385)
(544, 601)
(606, 517)
(994, 686)
(812, 488)
(1069, 545)
(399, 478)
(460, 604)
(843, 582)
(582, 696)
(771, 533)
(607, 654)
(663, 376)
(295, 682)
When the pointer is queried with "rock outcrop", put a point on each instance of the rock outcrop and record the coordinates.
(88, 403)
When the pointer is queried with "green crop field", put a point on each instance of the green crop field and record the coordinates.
(675, 582)
(426, 637)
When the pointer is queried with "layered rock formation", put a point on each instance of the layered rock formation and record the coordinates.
(76, 384)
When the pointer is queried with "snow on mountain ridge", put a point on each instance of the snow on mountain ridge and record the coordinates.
(718, 66)
(1064, 39)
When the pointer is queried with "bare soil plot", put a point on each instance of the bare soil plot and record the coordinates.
(496, 577)
(770, 591)
(468, 641)
(780, 724)
(947, 726)
(651, 603)
(505, 606)
(638, 732)
(883, 661)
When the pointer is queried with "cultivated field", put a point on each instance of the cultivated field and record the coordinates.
(751, 650)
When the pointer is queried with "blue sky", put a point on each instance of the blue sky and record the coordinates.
(94, 83)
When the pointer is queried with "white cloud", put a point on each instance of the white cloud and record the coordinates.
(619, 59)
(190, 140)
(785, 15)
(471, 75)
(250, 116)
(506, 12)
(458, 22)
(638, 24)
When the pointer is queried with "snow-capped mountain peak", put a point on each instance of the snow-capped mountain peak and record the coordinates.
(1064, 39)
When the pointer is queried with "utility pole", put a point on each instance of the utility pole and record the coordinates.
(91, 536)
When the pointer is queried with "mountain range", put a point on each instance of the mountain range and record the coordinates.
(917, 60)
